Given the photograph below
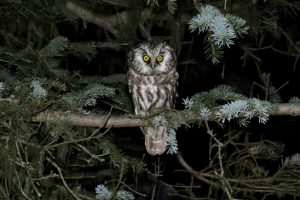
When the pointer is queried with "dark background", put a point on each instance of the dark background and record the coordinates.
(273, 39)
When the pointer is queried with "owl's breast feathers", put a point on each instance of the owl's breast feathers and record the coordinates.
(152, 91)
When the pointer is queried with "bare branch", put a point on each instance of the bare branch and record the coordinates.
(281, 109)
(62, 178)
(108, 121)
(111, 23)
(90, 120)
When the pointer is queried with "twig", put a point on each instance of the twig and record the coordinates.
(226, 185)
(34, 187)
(198, 175)
(62, 178)
(20, 187)
(131, 189)
(185, 164)
(91, 137)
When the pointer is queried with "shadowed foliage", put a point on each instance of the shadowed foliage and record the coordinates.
(238, 62)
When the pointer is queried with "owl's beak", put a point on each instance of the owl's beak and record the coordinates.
(152, 65)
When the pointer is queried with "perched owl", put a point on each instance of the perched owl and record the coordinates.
(152, 80)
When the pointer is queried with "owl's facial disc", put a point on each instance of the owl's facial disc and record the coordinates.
(153, 59)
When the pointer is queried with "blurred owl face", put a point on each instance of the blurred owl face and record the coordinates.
(152, 58)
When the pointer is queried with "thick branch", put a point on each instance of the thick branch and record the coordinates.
(117, 23)
(90, 120)
(291, 109)
(101, 120)
(111, 23)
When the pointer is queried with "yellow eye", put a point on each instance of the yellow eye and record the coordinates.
(146, 58)
(159, 58)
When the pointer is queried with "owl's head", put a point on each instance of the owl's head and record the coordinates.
(152, 58)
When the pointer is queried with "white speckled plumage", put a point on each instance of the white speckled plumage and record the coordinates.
(152, 84)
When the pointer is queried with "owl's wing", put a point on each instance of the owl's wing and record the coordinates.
(129, 77)
(133, 83)
(173, 92)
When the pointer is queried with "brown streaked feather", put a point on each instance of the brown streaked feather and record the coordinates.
(153, 85)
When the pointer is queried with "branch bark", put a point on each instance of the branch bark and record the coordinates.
(90, 120)
(111, 23)
(108, 121)
(282, 109)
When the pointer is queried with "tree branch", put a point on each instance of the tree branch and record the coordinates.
(117, 23)
(101, 120)
(111, 23)
(292, 109)
(90, 120)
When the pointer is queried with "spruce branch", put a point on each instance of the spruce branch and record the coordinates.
(55, 47)
(244, 109)
(87, 97)
(293, 160)
(172, 6)
(294, 100)
(222, 30)
(38, 91)
(223, 93)
(172, 146)
(212, 51)
(103, 193)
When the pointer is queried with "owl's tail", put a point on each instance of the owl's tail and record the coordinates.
(155, 139)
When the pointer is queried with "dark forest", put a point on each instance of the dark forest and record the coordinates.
(68, 128)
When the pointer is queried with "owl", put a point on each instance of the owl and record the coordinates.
(152, 81)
